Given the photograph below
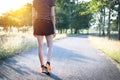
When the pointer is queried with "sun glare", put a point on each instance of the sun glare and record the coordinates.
(6, 5)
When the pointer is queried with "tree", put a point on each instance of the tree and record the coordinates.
(69, 16)
(81, 19)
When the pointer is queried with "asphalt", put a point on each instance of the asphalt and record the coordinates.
(74, 58)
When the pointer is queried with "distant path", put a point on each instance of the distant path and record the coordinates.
(73, 59)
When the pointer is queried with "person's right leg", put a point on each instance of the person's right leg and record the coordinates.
(49, 47)
(49, 40)
(40, 51)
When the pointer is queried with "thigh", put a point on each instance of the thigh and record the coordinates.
(40, 40)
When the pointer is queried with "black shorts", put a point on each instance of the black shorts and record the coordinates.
(43, 27)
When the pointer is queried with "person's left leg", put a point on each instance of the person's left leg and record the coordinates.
(40, 51)
(49, 40)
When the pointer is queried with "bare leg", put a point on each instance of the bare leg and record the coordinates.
(49, 40)
(41, 48)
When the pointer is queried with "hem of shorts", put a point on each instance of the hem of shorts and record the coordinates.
(43, 34)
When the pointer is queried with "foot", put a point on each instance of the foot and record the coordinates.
(48, 67)
(42, 69)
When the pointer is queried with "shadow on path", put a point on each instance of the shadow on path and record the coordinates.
(17, 68)
(9, 69)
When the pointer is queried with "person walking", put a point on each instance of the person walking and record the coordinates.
(44, 26)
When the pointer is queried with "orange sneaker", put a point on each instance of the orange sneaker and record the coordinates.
(42, 69)
(48, 66)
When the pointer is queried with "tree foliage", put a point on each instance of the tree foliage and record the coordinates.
(18, 18)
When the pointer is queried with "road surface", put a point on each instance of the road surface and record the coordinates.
(74, 58)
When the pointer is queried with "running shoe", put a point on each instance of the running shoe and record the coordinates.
(42, 69)
(48, 68)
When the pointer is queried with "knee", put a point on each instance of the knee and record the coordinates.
(49, 45)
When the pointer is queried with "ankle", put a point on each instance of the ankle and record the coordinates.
(42, 65)
(48, 62)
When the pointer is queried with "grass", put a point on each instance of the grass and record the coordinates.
(14, 43)
(109, 47)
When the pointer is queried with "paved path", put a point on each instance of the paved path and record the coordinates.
(73, 59)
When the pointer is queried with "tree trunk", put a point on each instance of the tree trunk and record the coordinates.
(71, 30)
(76, 30)
(87, 31)
(60, 31)
(100, 25)
(119, 22)
(103, 29)
(99, 30)
(109, 25)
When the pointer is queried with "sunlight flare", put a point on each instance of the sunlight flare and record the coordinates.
(7, 5)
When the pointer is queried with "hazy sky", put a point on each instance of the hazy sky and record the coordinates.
(6, 5)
